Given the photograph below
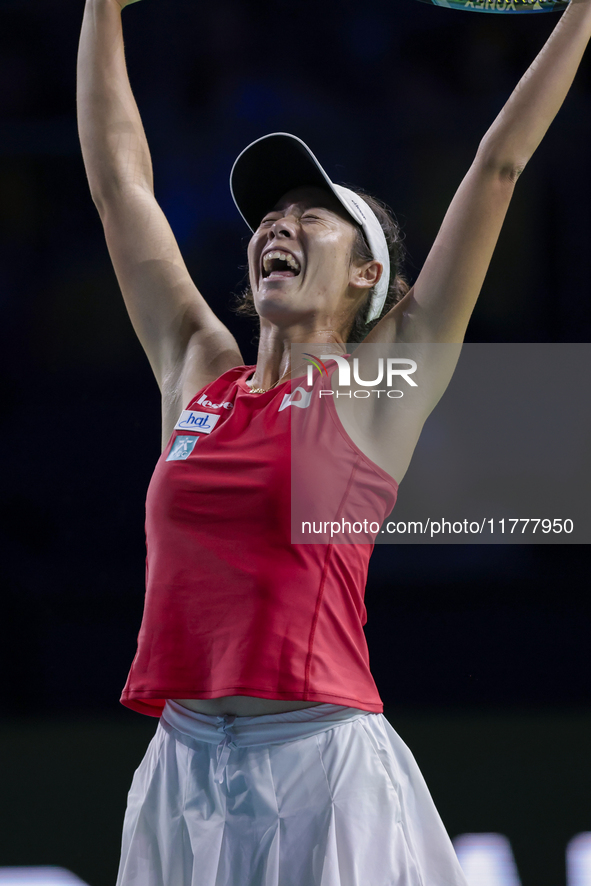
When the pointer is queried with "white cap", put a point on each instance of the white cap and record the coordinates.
(277, 163)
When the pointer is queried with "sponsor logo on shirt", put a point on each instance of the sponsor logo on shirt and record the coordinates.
(204, 422)
(299, 397)
(203, 401)
(182, 448)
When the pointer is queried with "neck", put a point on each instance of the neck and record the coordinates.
(274, 359)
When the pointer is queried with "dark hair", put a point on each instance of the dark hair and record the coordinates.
(360, 253)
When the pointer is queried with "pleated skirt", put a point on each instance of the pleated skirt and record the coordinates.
(323, 796)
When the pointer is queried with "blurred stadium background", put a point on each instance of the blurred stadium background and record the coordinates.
(481, 653)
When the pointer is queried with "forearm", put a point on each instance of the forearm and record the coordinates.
(114, 145)
(520, 127)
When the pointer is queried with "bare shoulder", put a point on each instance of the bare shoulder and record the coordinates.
(392, 391)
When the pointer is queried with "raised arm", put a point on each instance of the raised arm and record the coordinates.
(186, 344)
(440, 304)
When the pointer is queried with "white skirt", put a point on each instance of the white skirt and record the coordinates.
(322, 796)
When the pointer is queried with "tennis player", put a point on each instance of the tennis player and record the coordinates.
(272, 763)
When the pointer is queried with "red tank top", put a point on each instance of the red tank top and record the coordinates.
(232, 606)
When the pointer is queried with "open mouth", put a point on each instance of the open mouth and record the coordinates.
(277, 265)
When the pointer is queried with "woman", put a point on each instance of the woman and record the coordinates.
(272, 762)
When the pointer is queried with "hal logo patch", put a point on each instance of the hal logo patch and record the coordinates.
(204, 422)
(182, 448)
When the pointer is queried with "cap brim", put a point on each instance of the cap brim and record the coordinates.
(269, 168)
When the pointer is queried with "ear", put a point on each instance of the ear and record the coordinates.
(367, 275)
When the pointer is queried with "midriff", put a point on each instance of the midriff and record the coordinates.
(243, 705)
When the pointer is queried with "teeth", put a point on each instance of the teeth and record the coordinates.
(283, 256)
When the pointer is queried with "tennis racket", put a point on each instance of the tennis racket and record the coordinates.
(507, 7)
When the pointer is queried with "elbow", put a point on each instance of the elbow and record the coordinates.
(98, 200)
(506, 167)
(102, 197)
(109, 192)
(100, 185)
(515, 172)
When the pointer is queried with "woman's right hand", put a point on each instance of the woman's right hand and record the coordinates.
(124, 3)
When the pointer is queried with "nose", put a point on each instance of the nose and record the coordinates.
(283, 227)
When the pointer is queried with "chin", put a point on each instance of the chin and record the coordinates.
(278, 307)
(274, 297)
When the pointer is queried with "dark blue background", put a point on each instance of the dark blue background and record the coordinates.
(393, 96)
